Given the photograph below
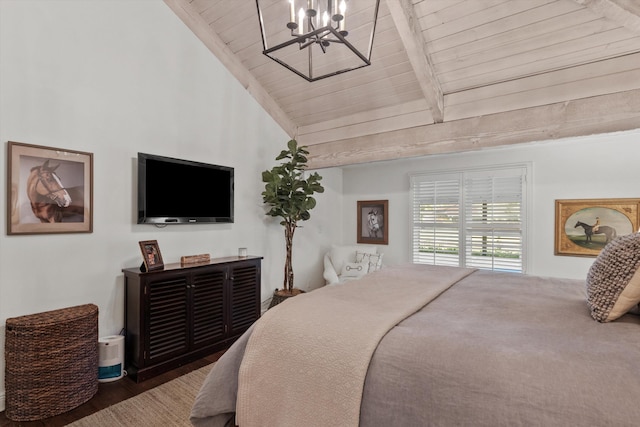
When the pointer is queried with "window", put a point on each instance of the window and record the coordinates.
(470, 218)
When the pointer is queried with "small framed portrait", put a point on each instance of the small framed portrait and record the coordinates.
(152, 258)
(373, 222)
(49, 190)
(585, 226)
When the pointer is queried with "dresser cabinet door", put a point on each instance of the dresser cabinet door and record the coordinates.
(167, 319)
(207, 291)
(244, 289)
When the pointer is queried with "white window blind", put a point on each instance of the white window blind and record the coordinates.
(470, 218)
(436, 220)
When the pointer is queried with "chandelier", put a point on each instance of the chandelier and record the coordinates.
(318, 38)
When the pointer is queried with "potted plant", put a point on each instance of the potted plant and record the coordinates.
(290, 196)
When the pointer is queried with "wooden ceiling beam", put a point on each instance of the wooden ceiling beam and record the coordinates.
(599, 114)
(623, 12)
(212, 41)
(412, 37)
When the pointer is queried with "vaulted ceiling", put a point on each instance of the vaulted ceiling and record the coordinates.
(446, 75)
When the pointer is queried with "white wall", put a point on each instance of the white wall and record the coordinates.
(115, 78)
(598, 166)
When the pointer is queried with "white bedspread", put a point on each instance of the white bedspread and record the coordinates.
(326, 338)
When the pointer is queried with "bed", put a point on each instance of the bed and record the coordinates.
(464, 347)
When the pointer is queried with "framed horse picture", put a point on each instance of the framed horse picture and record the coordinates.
(49, 190)
(373, 222)
(585, 226)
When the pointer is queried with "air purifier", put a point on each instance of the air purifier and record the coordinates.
(110, 358)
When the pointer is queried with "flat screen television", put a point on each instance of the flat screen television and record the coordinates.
(175, 191)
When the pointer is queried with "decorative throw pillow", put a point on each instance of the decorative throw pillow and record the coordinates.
(613, 282)
(339, 255)
(354, 269)
(374, 261)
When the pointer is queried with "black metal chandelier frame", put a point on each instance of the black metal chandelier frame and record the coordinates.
(322, 37)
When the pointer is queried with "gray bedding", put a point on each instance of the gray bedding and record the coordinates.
(496, 349)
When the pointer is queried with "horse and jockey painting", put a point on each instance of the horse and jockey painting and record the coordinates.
(585, 227)
(50, 190)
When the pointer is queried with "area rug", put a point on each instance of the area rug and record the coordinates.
(168, 404)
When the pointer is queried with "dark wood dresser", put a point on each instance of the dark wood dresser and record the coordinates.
(182, 313)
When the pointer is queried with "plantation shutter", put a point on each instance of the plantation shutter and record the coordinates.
(470, 218)
(436, 219)
(494, 219)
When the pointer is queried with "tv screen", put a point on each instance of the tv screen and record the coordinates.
(175, 191)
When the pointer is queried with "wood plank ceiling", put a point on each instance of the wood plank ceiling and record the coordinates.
(446, 75)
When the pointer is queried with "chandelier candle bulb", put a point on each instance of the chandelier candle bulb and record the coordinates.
(301, 19)
(343, 12)
(292, 11)
(318, 17)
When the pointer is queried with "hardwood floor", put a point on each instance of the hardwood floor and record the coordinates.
(112, 393)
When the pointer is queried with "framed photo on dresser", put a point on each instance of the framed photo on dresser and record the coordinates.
(151, 256)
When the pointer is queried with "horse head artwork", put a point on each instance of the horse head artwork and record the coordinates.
(609, 232)
(372, 223)
(47, 194)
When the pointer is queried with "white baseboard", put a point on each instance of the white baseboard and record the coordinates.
(2, 407)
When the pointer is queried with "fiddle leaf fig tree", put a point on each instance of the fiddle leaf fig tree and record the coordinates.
(290, 196)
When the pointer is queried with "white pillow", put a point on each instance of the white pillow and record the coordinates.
(354, 269)
(374, 261)
(339, 255)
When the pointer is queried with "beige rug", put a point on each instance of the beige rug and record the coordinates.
(168, 404)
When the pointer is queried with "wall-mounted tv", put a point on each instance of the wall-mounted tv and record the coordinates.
(175, 191)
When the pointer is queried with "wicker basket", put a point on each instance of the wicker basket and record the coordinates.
(281, 296)
(51, 362)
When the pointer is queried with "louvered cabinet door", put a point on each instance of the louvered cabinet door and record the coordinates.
(244, 290)
(167, 332)
(207, 290)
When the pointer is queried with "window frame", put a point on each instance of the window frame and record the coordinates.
(524, 170)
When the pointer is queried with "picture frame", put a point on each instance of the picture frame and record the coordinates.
(49, 190)
(151, 255)
(575, 220)
(373, 222)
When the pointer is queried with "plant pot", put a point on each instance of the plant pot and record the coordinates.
(282, 295)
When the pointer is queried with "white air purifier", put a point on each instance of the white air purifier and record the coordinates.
(110, 358)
